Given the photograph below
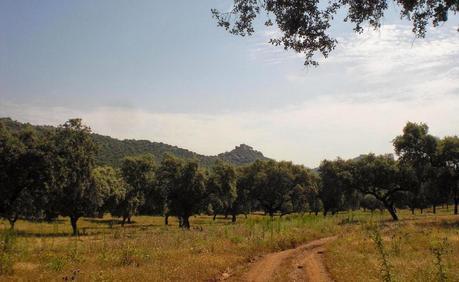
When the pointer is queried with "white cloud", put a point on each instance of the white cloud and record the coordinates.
(307, 133)
(388, 64)
(393, 48)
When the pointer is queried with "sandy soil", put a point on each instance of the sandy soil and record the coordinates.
(303, 263)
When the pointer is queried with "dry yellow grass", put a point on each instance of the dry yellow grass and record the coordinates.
(409, 245)
(149, 251)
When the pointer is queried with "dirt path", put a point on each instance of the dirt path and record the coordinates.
(303, 263)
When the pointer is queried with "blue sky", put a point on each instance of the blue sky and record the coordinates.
(163, 71)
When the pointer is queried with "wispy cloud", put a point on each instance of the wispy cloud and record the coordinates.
(390, 64)
(393, 48)
(265, 52)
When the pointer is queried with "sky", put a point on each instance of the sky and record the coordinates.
(163, 71)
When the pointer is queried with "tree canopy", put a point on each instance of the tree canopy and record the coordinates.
(139, 175)
(335, 181)
(378, 176)
(305, 25)
(185, 184)
(449, 160)
(25, 173)
(222, 189)
(75, 151)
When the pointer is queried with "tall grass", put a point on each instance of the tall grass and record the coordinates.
(439, 249)
(150, 251)
(7, 244)
(413, 249)
(385, 266)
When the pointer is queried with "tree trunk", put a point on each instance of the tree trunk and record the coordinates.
(456, 199)
(412, 211)
(186, 222)
(11, 224)
(422, 210)
(123, 221)
(129, 220)
(12, 221)
(392, 212)
(73, 222)
(434, 209)
(456, 204)
(166, 219)
(233, 218)
(49, 217)
(215, 216)
(325, 212)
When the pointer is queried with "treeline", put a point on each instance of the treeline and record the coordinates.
(53, 173)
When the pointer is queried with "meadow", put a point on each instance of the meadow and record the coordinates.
(417, 248)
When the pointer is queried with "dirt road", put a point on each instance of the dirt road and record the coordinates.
(303, 263)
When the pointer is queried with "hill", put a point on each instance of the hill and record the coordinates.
(242, 154)
(112, 150)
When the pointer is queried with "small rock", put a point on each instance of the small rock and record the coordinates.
(225, 276)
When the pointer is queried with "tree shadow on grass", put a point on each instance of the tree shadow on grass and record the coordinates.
(83, 231)
(31, 234)
(446, 224)
(108, 221)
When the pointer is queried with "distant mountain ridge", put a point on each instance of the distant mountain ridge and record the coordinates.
(112, 150)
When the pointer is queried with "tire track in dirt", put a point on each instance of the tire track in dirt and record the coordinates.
(303, 263)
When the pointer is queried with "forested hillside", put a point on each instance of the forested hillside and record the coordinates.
(112, 150)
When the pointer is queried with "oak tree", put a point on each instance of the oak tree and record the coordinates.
(305, 26)
(75, 194)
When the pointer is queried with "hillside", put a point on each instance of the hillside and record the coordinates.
(242, 154)
(112, 150)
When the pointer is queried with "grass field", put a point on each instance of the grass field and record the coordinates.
(415, 247)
